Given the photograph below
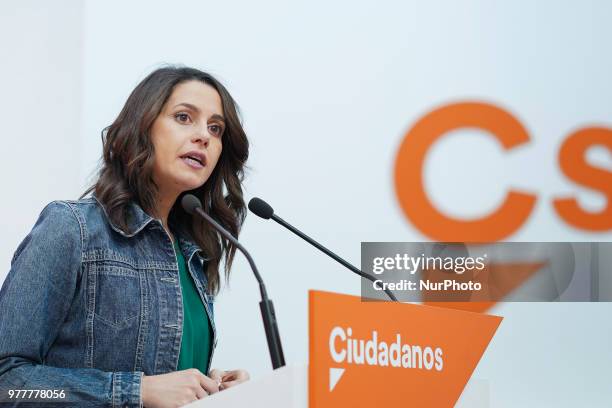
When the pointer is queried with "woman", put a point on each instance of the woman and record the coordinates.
(110, 298)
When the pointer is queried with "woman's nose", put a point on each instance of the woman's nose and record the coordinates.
(202, 136)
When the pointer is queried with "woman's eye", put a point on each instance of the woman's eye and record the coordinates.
(182, 117)
(216, 129)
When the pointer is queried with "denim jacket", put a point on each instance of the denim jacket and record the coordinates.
(88, 308)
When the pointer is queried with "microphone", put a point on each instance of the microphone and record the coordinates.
(262, 209)
(193, 206)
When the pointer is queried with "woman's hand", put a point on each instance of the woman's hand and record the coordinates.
(227, 379)
(176, 389)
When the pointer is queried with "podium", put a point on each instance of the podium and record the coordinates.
(364, 354)
(287, 387)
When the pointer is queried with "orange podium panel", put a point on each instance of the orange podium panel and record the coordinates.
(370, 354)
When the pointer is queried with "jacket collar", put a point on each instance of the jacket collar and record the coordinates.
(137, 220)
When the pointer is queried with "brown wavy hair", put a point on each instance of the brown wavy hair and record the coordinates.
(126, 171)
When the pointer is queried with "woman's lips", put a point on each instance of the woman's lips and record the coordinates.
(192, 163)
(194, 159)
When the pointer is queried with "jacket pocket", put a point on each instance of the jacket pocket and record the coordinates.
(117, 295)
(117, 300)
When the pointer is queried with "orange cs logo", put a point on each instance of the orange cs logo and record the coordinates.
(517, 206)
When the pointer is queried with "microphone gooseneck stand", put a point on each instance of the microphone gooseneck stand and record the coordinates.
(192, 205)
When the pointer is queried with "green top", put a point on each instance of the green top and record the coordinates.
(196, 341)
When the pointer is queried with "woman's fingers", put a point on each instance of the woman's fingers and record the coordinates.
(228, 384)
(211, 386)
(217, 375)
(226, 379)
(233, 377)
(179, 387)
(201, 393)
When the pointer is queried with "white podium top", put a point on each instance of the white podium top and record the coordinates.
(285, 387)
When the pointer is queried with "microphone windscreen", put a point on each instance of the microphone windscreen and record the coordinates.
(190, 203)
(260, 208)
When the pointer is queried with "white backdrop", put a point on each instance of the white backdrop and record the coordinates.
(40, 111)
(327, 91)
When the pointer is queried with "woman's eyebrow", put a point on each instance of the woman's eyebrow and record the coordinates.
(216, 116)
(188, 106)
